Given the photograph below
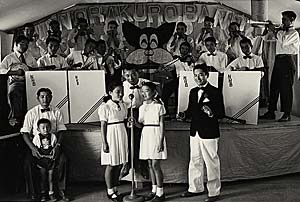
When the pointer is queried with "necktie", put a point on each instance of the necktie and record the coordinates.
(135, 87)
(22, 58)
(211, 54)
(247, 56)
(45, 110)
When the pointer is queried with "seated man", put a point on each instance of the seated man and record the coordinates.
(14, 65)
(184, 63)
(248, 61)
(52, 58)
(84, 59)
(29, 130)
(178, 38)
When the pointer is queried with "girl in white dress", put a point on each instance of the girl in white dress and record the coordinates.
(114, 151)
(153, 143)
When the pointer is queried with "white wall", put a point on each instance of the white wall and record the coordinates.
(5, 44)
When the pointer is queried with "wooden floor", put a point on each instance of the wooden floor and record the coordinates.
(274, 189)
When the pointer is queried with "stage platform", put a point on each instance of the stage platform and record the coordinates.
(246, 151)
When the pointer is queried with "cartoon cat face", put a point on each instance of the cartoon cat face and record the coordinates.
(148, 43)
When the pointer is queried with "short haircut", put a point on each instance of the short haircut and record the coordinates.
(202, 66)
(209, 19)
(46, 90)
(151, 85)
(113, 22)
(90, 41)
(21, 38)
(210, 39)
(246, 40)
(235, 23)
(185, 43)
(53, 22)
(81, 20)
(129, 66)
(28, 25)
(114, 84)
(43, 121)
(53, 39)
(182, 24)
(290, 14)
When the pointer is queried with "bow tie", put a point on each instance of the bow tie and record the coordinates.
(211, 54)
(201, 88)
(247, 56)
(45, 110)
(135, 86)
(53, 56)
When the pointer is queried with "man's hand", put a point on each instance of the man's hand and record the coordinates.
(35, 153)
(55, 151)
(206, 109)
(180, 116)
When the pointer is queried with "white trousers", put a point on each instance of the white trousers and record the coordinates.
(204, 151)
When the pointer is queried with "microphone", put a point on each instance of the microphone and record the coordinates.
(131, 96)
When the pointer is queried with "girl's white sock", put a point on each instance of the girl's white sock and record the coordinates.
(154, 188)
(159, 191)
(110, 191)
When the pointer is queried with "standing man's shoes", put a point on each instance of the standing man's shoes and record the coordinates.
(211, 198)
(191, 194)
(284, 118)
(63, 196)
(268, 115)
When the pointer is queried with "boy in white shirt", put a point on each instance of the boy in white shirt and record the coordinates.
(52, 58)
(247, 61)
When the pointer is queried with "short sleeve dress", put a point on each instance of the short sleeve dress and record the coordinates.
(149, 115)
(114, 114)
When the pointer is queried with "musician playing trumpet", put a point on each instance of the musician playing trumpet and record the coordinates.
(185, 62)
(285, 65)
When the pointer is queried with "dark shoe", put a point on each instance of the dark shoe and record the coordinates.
(63, 196)
(149, 196)
(114, 197)
(191, 194)
(268, 115)
(211, 198)
(158, 198)
(284, 118)
(52, 198)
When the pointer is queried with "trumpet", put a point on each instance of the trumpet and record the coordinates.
(263, 23)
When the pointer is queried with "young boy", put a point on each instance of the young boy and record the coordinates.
(45, 141)
(86, 59)
(214, 59)
(14, 65)
(179, 37)
(247, 61)
(184, 63)
(205, 107)
(132, 85)
(52, 58)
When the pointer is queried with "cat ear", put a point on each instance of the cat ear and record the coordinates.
(131, 33)
(165, 31)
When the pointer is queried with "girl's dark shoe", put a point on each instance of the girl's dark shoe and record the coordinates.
(149, 196)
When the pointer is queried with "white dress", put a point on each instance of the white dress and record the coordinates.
(117, 141)
(149, 115)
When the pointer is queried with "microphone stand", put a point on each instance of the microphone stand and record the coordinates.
(132, 197)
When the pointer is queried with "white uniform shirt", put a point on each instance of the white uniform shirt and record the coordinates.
(33, 115)
(254, 62)
(13, 62)
(174, 50)
(287, 42)
(138, 98)
(46, 60)
(234, 47)
(218, 60)
(78, 57)
(182, 66)
(37, 141)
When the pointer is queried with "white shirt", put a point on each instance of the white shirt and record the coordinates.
(78, 57)
(182, 66)
(112, 44)
(218, 60)
(200, 92)
(33, 115)
(37, 141)
(254, 62)
(287, 42)
(79, 43)
(46, 60)
(138, 98)
(234, 46)
(13, 62)
(174, 50)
